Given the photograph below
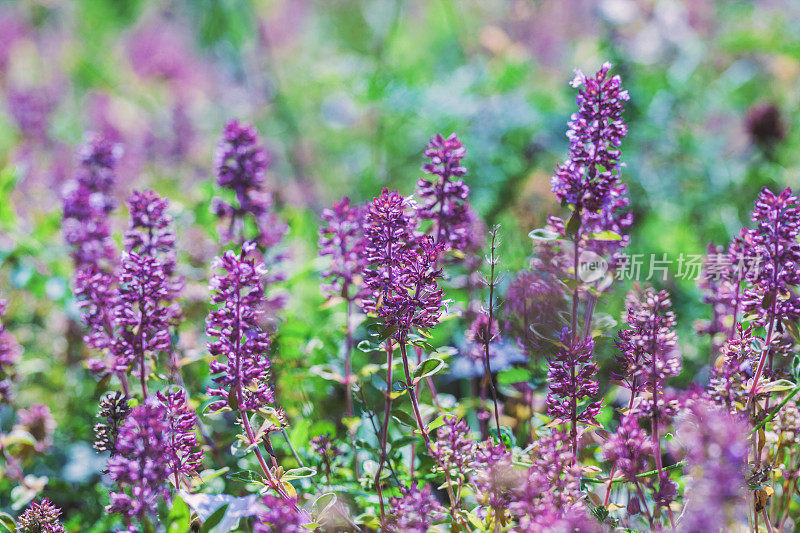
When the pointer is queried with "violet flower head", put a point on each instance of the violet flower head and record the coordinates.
(40, 517)
(649, 347)
(37, 420)
(775, 257)
(573, 381)
(495, 478)
(589, 179)
(150, 231)
(414, 511)
(720, 283)
(240, 363)
(10, 352)
(240, 163)
(142, 466)
(629, 448)
(454, 450)
(98, 300)
(402, 271)
(342, 239)
(87, 201)
(443, 193)
(184, 456)
(730, 373)
(716, 457)
(31, 109)
(280, 516)
(551, 491)
(114, 409)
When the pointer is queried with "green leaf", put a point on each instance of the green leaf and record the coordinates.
(513, 375)
(574, 224)
(404, 418)
(401, 442)
(368, 346)
(180, 517)
(233, 402)
(7, 523)
(542, 234)
(607, 235)
(247, 476)
(299, 473)
(428, 367)
(323, 503)
(215, 518)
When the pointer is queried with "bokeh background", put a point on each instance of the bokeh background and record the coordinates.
(346, 95)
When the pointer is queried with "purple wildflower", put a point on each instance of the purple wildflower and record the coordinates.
(280, 516)
(240, 164)
(87, 202)
(589, 179)
(551, 491)
(455, 449)
(573, 382)
(142, 466)
(184, 458)
(37, 421)
(729, 375)
(40, 517)
(775, 254)
(402, 273)
(342, 239)
(31, 109)
(444, 194)
(98, 299)
(240, 350)
(495, 478)
(629, 448)
(113, 411)
(716, 457)
(10, 352)
(532, 305)
(414, 511)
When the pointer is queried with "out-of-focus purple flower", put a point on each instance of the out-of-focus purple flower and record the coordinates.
(775, 256)
(495, 478)
(98, 299)
(532, 305)
(240, 164)
(342, 239)
(455, 449)
(572, 379)
(142, 466)
(629, 448)
(113, 411)
(31, 110)
(649, 347)
(40, 517)
(240, 347)
(716, 457)
(87, 201)
(414, 511)
(443, 193)
(551, 492)
(10, 351)
(402, 271)
(184, 457)
(39, 423)
(589, 179)
(280, 516)
(721, 284)
(731, 371)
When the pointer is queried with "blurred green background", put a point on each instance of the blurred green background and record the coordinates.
(346, 95)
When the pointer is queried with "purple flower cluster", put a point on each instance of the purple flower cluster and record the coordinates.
(184, 458)
(37, 421)
(649, 351)
(240, 164)
(550, 496)
(10, 352)
(342, 239)
(629, 448)
(280, 516)
(716, 457)
(729, 375)
(532, 304)
(589, 179)
(87, 201)
(113, 411)
(774, 248)
(40, 517)
(495, 478)
(454, 451)
(413, 511)
(444, 194)
(721, 284)
(240, 363)
(573, 381)
(402, 271)
(142, 466)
